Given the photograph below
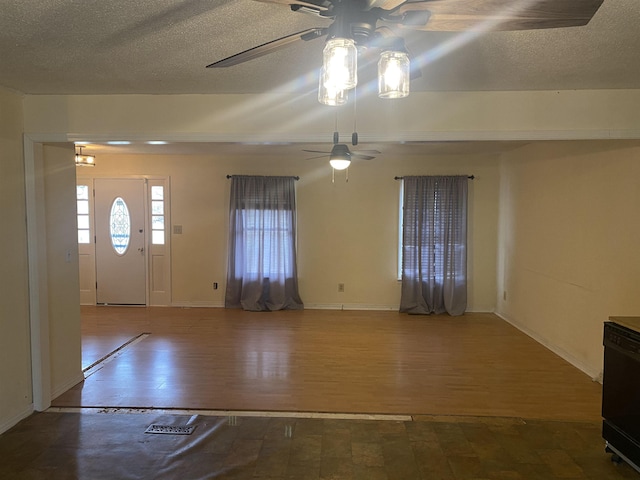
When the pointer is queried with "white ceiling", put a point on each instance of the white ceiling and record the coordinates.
(162, 47)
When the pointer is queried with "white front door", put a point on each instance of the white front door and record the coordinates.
(120, 241)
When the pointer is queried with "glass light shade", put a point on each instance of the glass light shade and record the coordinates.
(393, 74)
(329, 94)
(339, 163)
(85, 160)
(340, 63)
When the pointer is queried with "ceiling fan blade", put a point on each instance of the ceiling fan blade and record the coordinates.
(459, 15)
(322, 5)
(416, 18)
(317, 151)
(384, 4)
(319, 156)
(268, 47)
(362, 157)
(366, 152)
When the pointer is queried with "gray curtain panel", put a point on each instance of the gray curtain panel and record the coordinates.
(262, 271)
(434, 245)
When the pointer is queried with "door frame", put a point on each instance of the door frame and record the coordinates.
(38, 289)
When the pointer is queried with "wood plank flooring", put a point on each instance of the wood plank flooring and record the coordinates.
(327, 361)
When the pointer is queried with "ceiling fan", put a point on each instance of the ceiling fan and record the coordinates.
(358, 19)
(340, 156)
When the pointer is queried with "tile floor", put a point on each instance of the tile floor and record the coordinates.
(98, 446)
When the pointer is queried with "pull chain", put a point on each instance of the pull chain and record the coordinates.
(354, 135)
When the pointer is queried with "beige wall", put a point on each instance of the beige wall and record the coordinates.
(62, 269)
(422, 116)
(347, 232)
(569, 235)
(61, 320)
(15, 366)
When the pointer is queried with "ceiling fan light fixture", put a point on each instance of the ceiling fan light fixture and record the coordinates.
(340, 63)
(340, 163)
(394, 71)
(340, 157)
(84, 160)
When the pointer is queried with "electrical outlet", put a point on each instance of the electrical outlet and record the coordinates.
(341, 287)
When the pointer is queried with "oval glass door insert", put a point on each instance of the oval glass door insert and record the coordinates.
(120, 226)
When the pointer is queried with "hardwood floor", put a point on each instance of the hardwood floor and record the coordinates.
(327, 361)
(482, 400)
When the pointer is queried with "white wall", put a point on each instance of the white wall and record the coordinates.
(347, 232)
(15, 366)
(569, 236)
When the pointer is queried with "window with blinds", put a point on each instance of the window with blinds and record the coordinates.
(433, 229)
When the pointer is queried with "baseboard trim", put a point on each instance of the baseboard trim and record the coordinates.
(7, 423)
(320, 306)
(562, 353)
(307, 306)
(350, 306)
(198, 304)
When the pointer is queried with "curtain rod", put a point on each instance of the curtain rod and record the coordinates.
(470, 177)
(231, 176)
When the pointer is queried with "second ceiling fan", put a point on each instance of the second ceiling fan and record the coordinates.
(340, 156)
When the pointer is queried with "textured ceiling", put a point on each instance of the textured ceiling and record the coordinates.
(162, 46)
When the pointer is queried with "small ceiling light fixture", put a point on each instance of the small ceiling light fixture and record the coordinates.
(84, 160)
